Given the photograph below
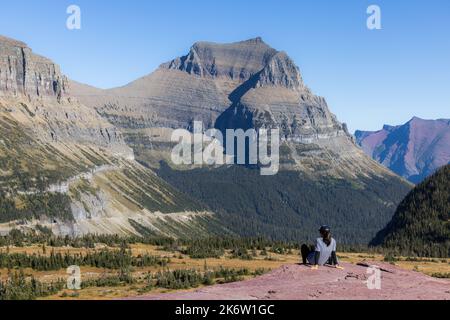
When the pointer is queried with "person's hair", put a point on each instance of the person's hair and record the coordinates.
(326, 235)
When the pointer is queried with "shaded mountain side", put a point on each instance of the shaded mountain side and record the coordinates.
(414, 150)
(421, 224)
(290, 205)
(276, 97)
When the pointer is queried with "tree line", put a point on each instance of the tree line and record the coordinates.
(107, 259)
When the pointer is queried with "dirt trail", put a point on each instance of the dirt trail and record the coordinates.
(63, 187)
(298, 282)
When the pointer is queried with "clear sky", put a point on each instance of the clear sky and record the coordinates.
(369, 77)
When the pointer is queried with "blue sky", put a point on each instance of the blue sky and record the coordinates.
(369, 77)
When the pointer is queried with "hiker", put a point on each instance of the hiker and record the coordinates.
(324, 251)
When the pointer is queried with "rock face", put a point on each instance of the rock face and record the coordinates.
(276, 97)
(35, 93)
(413, 150)
(23, 72)
(236, 61)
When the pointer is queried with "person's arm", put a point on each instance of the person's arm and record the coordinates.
(334, 259)
(316, 257)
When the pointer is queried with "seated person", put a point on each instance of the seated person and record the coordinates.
(324, 251)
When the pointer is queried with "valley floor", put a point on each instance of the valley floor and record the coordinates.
(267, 275)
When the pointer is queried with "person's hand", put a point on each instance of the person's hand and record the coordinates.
(315, 267)
(339, 267)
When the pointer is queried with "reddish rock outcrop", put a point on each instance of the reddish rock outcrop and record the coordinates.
(299, 282)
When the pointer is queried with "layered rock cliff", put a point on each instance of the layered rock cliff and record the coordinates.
(34, 92)
(276, 97)
(235, 61)
(23, 72)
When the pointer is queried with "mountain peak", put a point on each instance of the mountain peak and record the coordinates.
(251, 41)
(254, 40)
(240, 61)
(237, 61)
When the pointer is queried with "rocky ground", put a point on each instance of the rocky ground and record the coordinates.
(299, 282)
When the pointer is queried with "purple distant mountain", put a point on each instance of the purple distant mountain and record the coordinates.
(414, 150)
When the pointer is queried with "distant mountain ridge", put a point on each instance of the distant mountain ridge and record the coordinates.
(414, 150)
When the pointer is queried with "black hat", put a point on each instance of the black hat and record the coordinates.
(324, 228)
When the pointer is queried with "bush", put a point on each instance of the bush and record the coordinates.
(241, 253)
(18, 287)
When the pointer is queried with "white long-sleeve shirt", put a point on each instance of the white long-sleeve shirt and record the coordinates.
(325, 251)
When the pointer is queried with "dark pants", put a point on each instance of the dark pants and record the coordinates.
(305, 251)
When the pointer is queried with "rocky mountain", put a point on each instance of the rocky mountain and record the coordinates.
(324, 176)
(414, 150)
(188, 88)
(421, 224)
(243, 84)
(65, 167)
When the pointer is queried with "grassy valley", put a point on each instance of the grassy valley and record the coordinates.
(113, 267)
